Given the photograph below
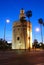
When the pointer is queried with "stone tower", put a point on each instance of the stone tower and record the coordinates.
(22, 33)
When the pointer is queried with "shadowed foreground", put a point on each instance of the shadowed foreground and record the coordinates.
(26, 58)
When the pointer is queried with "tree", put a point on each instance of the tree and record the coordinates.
(35, 43)
(43, 23)
(40, 21)
(29, 14)
(4, 45)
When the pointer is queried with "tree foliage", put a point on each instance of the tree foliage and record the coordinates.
(4, 45)
(29, 13)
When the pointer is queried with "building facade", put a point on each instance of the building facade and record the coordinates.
(22, 33)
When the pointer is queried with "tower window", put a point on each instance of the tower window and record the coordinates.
(18, 38)
(29, 38)
(18, 28)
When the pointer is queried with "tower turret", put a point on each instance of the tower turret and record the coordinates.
(22, 13)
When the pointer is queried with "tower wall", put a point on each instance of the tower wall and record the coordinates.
(21, 34)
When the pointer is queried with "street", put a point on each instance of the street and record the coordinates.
(25, 58)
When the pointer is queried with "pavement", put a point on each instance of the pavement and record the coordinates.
(33, 57)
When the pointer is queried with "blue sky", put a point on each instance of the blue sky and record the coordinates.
(10, 9)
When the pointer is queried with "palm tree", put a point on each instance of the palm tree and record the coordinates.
(29, 14)
(43, 23)
(40, 21)
(35, 43)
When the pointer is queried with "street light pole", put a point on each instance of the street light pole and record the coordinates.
(5, 27)
(4, 30)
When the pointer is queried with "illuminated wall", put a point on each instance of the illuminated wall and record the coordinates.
(29, 34)
(21, 36)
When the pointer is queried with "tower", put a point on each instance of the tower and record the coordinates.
(21, 30)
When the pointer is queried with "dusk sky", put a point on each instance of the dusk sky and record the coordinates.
(10, 9)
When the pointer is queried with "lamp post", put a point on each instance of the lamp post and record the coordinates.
(7, 20)
(35, 39)
(36, 30)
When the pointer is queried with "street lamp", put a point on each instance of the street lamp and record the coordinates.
(36, 30)
(7, 20)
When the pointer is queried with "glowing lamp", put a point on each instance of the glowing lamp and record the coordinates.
(37, 29)
(7, 20)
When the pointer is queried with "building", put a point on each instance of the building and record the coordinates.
(22, 33)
